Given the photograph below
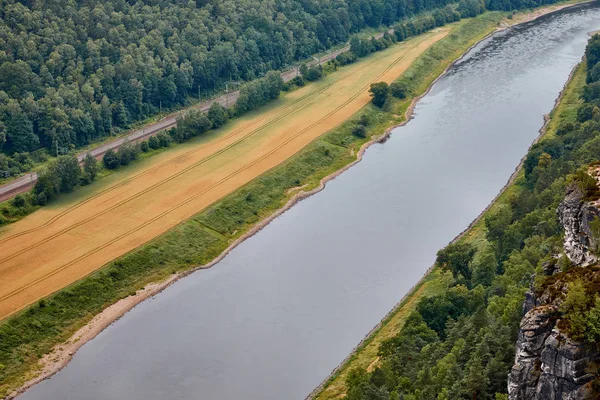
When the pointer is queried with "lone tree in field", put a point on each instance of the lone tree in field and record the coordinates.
(379, 91)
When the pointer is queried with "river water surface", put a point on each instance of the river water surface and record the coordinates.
(284, 308)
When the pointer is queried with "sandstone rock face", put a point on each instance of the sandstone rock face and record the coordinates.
(549, 365)
(575, 216)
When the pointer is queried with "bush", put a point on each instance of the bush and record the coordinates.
(359, 131)
(217, 115)
(195, 123)
(258, 92)
(90, 167)
(111, 160)
(19, 201)
(573, 309)
(144, 147)
(163, 139)
(154, 143)
(297, 81)
(457, 258)
(127, 153)
(564, 128)
(312, 73)
(41, 199)
(591, 92)
(364, 120)
(345, 58)
(399, 90)
(585, 112)
(585, 182)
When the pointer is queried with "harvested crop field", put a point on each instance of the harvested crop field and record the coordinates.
(61, 244)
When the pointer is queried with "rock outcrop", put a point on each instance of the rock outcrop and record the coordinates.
(549, 365)
(575, 215)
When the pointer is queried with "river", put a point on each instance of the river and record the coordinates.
(274, 317)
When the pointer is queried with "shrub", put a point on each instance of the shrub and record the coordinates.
(359, 131)
(457, 258)
(19, 201)
(345, 58)
(312, 73)
(585, 182)
(585, 112)
(217, 115)
(127, 153)
(154, 143)
(163, 139)
(111, 160)
(564, 128)
(592, 322)
(573, 309)
(144, 146)
(258, 92)
(364, 120)
(41, 199)
(297, 81)
(195, 123)
(90, 167)
(591, 92)
(399, 90)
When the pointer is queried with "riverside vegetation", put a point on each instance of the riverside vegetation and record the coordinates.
(460, 343)
(28, 335)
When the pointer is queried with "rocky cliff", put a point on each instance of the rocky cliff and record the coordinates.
(548, 364)
(575, 215)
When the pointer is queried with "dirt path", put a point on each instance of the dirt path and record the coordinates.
(59, 245)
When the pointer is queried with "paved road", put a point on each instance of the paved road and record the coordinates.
(26, 182)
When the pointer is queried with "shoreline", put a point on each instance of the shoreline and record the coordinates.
(58, 358)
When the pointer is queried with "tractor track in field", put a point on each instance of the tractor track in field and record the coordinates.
(175, 159)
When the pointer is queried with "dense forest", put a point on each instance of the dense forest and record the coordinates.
(72, 72)
(461, 344)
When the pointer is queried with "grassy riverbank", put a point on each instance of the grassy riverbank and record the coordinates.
(436, 282)
(35, 331)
